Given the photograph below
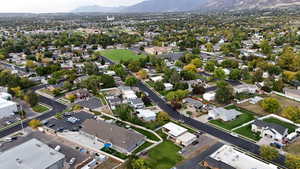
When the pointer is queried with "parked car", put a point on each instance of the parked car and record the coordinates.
(72, 161)
(276, 145)
(57, 148)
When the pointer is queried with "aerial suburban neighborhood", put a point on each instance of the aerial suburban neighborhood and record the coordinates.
(156, 85)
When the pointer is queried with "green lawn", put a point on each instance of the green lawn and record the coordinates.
(164, 156)
(289, 126)
(246, 132)
(245, 117)
(121, 54)
(148, 134)
(142, 147)
(40, 108)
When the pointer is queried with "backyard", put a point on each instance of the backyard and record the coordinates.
(121, 54)
(293, 148)
(163, 156)
(245, 117)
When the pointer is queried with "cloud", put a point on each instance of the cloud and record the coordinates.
(40, 6)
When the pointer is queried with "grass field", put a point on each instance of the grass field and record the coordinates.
(164, 156)
(40, 108)
(121, 54)
(246, 132)
(245, 117)
(289, 126)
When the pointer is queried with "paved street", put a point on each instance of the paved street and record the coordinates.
(57, 107)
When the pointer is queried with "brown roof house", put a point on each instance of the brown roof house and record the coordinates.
(121, 139)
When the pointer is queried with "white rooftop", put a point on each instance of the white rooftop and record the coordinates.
(146, 113)
(4, 103)
(239, 160)
(32, 154)
(174, 129)
(186, 137)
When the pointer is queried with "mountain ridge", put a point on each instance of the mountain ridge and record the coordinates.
(191, 5)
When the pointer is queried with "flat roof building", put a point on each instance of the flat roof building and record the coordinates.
(32, 154)
(228, 157)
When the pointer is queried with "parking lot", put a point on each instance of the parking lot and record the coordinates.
(64, 124)
(67, 148)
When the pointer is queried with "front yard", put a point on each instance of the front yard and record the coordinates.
(246, 132)
(164, 156)
(245, 117)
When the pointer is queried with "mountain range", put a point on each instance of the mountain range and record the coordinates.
(191, 5)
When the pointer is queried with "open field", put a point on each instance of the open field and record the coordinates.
(164, 156)
(258, 110)
(289, 126)
(121, 54)
(246, 132)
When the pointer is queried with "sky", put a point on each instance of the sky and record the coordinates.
(43, 6)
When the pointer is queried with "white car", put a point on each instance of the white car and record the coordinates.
(57, 148)
(72, 161)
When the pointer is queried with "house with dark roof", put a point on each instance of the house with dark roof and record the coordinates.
(120, 139)
(270, 130)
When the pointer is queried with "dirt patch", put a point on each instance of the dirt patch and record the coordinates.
(294, 148)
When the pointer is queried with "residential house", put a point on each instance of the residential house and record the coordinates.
(7, 108)
(146, 114)
(136, 103)
(192, 103)
(270, 130)
(178, 134)
(93, 104)
(168, 86)
(120, 139)
(209, 96)
(245, 88)
(223, 114)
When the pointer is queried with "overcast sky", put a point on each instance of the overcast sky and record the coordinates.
(40, 6)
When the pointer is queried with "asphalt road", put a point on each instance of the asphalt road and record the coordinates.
(56, 107)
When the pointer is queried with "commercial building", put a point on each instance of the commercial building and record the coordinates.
(32, 154)
(228, 157)
(7, 108)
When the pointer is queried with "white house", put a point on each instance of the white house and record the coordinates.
(5, 96)
(7, 108)
(245, 88)
(156, 78)
(146, 114)
(270, 130)
(223, 114)
(209, 96)
(168, 86)
(178, 134)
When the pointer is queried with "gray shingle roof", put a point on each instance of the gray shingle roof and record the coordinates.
(111, 133)
(278, 128)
